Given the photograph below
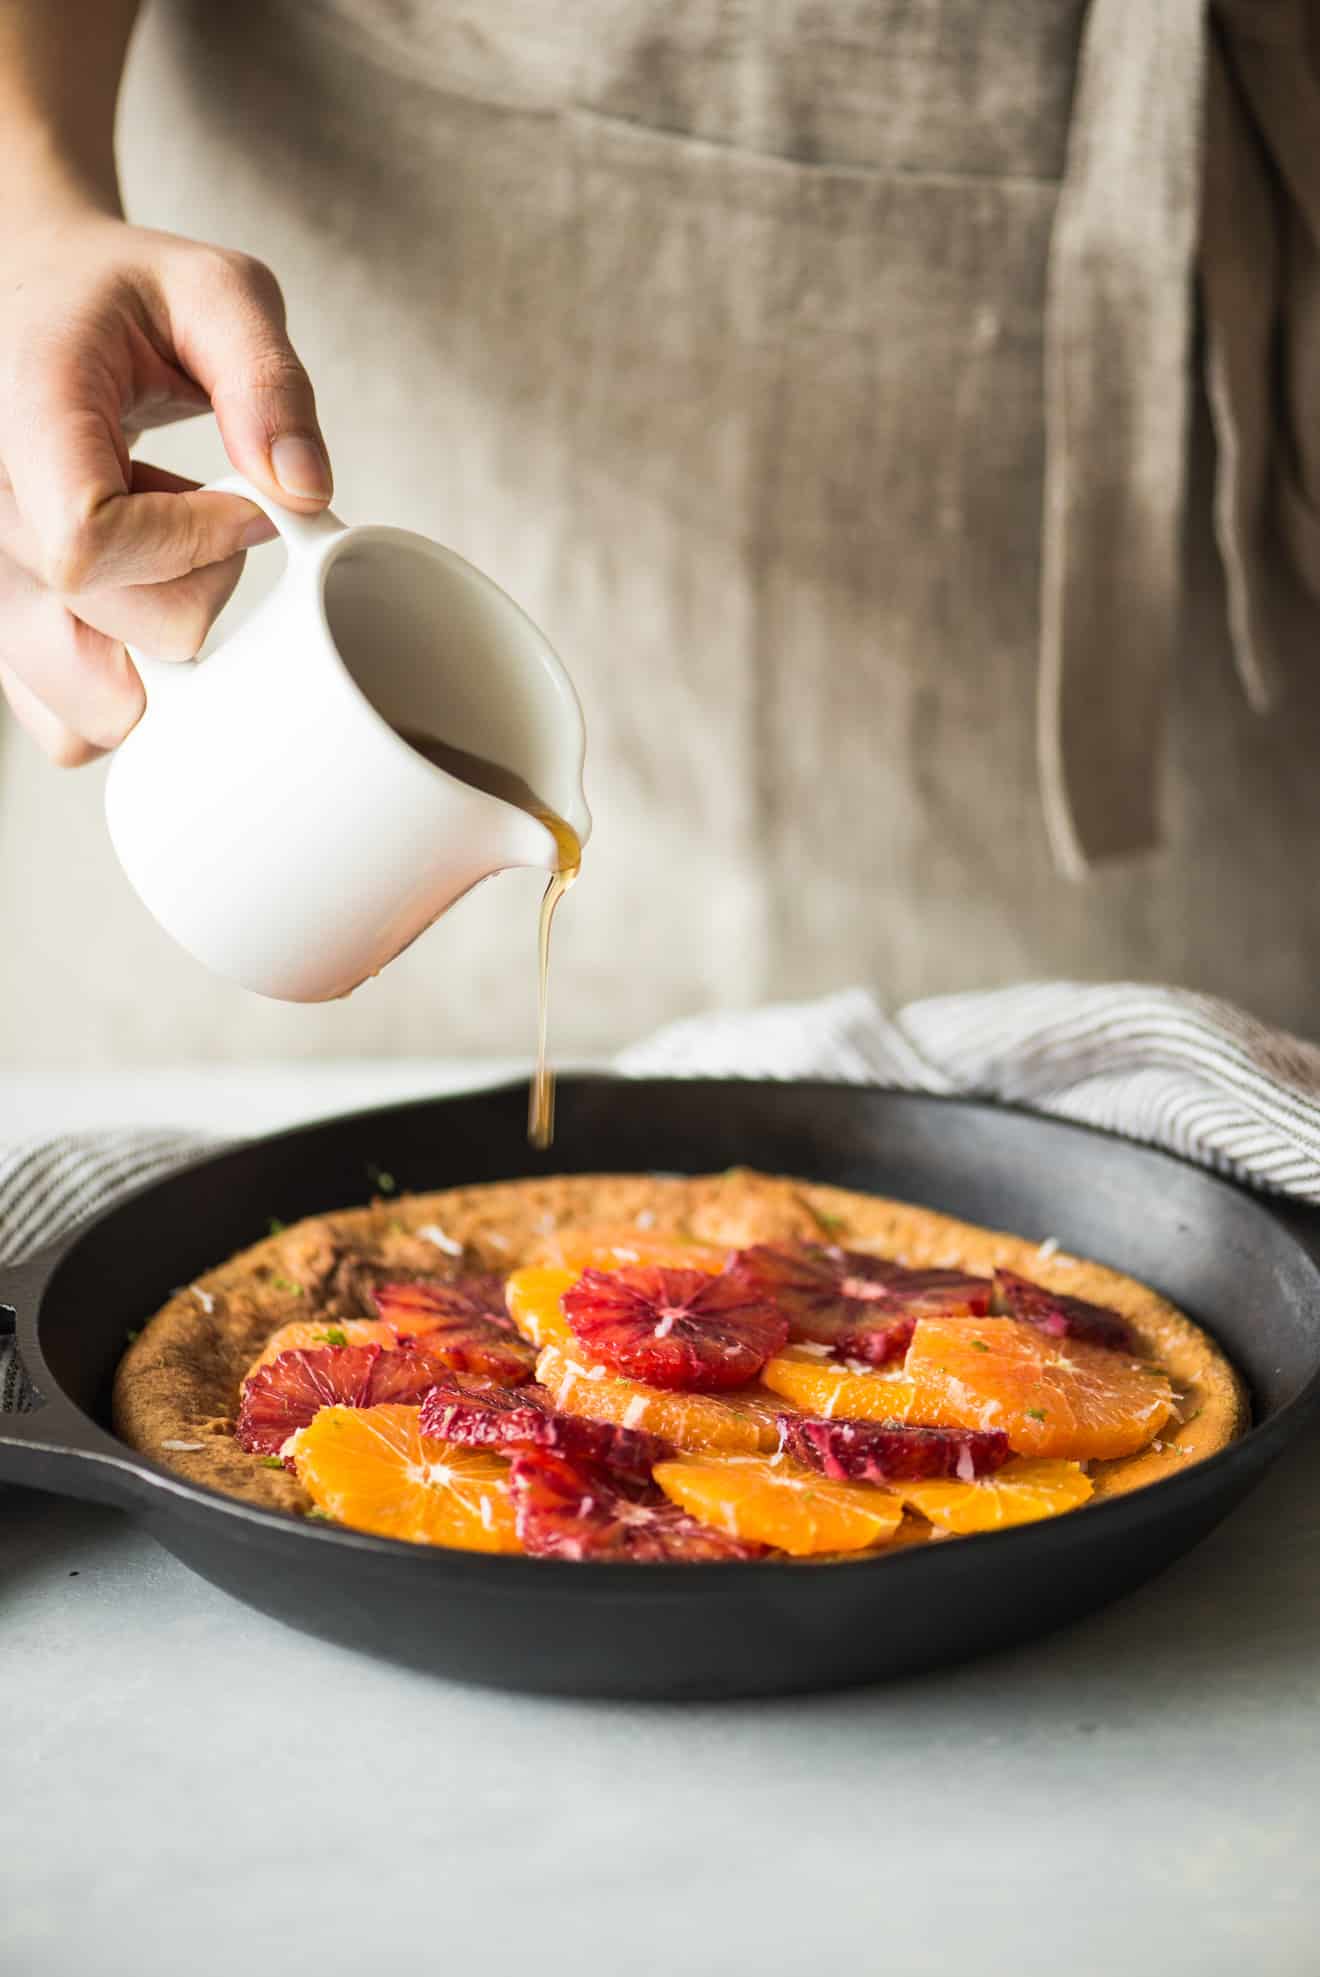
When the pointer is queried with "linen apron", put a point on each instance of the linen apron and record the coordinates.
(715, 331)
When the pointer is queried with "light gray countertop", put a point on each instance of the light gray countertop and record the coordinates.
(190, 1788)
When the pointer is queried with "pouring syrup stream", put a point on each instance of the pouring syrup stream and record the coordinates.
(480, 773)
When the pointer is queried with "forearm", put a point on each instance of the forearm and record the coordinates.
(60, 70)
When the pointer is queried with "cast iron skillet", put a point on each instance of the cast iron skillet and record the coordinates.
(672, 1630)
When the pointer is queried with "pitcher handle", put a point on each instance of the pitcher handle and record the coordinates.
(305, 537)
(302, 535)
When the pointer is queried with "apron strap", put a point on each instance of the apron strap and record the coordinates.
(1119, 319)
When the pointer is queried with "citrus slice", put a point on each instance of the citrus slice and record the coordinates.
(743, 1420)
(466, 1323)
(1051, 1396)
(309, 1334)
(684, 1330)
(481, 1415)
(1021, 1492)
(821, 1386)
(863, 1306)
(614, 1246)
(568, 1509)
(882, 1452)
(532, 1297)
(777, 1503)
(290, 1391)
(372, 1469)
(1062, 1317)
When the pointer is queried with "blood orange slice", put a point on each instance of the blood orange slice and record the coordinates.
(465, 1323)
(743, 1419)
(285, 1394)
(1062, 1317)
(778, 1503)
(862, 1306)
(873, 1452)
(683, 1330)
(309, 1334)
(373, 1469)
(1025, 1490)
(509, 1418)
(1050, 1396)
(568, 1509)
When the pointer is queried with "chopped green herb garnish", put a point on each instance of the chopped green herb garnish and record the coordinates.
(833, 1223)
(395, 1227)
(379, 1179)
(1036, 1413)
(130, 1336)
(286, 1284)
(275, 1227)
(335, 1336)
(980, 1345)
(271, 1462)
(319, 1516)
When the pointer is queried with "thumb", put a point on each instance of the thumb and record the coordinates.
(227, 323)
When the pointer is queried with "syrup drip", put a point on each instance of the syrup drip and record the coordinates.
(479, 773)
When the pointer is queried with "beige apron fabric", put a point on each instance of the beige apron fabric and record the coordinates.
(716, 333)
(1261, 280)
(1118, 336)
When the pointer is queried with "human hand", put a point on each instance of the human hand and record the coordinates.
(106, 330)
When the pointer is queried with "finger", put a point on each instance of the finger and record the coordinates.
(86, 681)
(164, 620)
(227, 323)
(84, 527)
(167, 620)
(65, 748)
(18, 542)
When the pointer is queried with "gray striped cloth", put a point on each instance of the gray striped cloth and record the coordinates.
(1173, 1069)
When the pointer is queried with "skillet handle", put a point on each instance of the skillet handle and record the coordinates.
(52, 1445)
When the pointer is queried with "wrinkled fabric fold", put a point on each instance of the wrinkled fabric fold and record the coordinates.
(1192, 176)
(1118, 332)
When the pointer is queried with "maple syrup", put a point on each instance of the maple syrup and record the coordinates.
(480, 773)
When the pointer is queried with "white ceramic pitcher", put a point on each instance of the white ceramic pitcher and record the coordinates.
(265, 807)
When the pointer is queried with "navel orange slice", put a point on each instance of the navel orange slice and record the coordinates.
(1051, 1396)
(1023, 1491)
(743, 1420)
(373, 1469)
(778, 1503)
(533, 1299)
(616, 1246)
(821, 1386)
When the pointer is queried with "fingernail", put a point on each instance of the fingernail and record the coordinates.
(301, 467)
(260, 529)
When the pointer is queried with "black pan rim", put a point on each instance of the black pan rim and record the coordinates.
(156, 1482)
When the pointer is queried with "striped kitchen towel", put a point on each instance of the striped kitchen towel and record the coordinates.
(1174, 1069)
